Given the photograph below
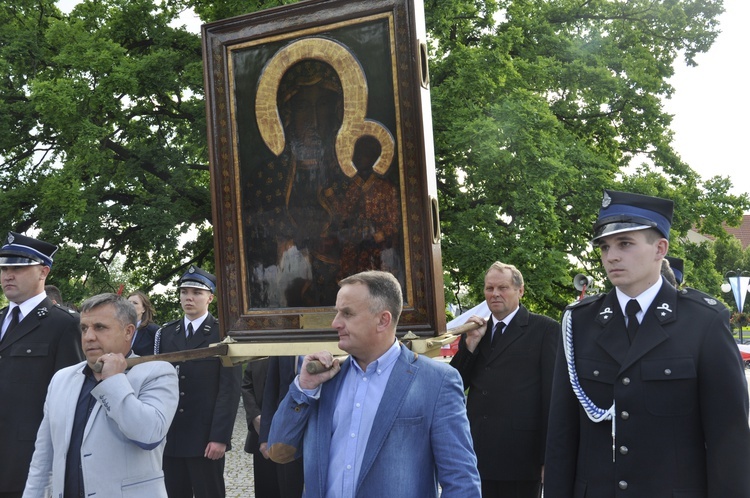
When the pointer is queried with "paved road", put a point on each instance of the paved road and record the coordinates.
(238, 469)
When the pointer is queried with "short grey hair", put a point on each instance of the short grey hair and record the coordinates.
(124, 309)
(515, 273)
(384, 289)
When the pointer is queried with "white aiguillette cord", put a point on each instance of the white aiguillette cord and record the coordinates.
(594, 413)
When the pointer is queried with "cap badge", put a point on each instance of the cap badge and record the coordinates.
(710, 301)
(606, 200)
(11, 238)
(191, 269)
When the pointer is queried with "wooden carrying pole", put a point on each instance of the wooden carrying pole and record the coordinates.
(231, 352)
(315, 366)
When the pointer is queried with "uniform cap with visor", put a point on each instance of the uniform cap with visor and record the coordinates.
(678, 267)
(626, 212)
(20, 250)
(199, 279)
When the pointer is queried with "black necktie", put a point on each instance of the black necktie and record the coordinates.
(498, 332)
(190, 331)
(631, 309)
(14, 314)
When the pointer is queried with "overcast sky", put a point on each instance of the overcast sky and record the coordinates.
(710, 105)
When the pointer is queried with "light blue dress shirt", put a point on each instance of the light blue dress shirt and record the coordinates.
(356, 406)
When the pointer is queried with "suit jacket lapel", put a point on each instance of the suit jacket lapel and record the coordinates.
(651, 332)
(71, 400)
(7, 341)
(29, 323)
(613, 337)
(513, 331)
(200, 336)
(175, 340)
(402, 375)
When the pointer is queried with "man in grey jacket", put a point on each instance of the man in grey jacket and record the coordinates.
(104, 430)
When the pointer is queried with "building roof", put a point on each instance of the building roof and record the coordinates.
(742, 232)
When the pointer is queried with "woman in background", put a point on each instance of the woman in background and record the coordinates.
(143, 339)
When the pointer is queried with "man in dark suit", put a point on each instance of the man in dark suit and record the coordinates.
(201, 431)
(281, 372)
(649, 396)
(264, 470)
(37, 338)
(507, 365)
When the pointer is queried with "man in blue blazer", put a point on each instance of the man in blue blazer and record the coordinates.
(390, 424)
(103, 433)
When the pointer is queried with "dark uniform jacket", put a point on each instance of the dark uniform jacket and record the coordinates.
(509, 394)
(680, 397)
(253, 384)
(209, 392)
(46, 340)
(281, 372)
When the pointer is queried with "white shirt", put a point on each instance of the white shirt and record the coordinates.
(645, 299)
(26, 307)
(196, 323)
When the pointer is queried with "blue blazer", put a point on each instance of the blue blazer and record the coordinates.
(420, 435)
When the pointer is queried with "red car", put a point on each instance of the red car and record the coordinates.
(745, 352)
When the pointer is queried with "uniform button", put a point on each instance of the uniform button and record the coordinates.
(182, 377)
(624, 415)
(626, 381)
(623, 450)
(484, 392)
(623, 484)
(181, 410)
(28, 351)
(596, 373)
(182, 394)
(668, 371)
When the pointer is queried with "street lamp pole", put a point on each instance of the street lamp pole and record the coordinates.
(738, 281)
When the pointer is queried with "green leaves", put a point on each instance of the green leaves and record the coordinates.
(106, 153)
(538, 107)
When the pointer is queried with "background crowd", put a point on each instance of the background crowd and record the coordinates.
(640, 389)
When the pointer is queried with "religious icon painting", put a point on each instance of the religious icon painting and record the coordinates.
(321, 163)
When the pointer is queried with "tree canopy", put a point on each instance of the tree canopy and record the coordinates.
(537, 106)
